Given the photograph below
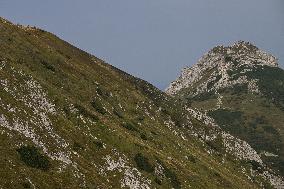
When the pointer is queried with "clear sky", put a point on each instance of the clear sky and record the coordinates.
(154, 39)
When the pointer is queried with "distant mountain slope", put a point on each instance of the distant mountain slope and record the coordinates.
(70, 120)
(242, 88)
(223, 67)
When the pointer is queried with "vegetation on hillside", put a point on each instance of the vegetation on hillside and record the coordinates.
(94, 126)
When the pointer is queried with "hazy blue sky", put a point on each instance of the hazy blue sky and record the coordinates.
(154, 39)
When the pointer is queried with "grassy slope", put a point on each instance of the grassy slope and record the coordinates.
(257, 119)
(113, 110)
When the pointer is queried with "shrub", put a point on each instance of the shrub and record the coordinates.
(205, 96)
(270, 129)
(20, 60)
(33, 158)
(143, 136)
(191, 158)
(154, 133)
(173, 177)
(158, 181)
(255, 165)
(99, 91)
(26, 185)
(99, 144)
(210, 84)
(143, 163)
(118, 113)
(218, 77)
(129, 126)
(102, 92)
(77, 146)
(47, 65)
(216, 144)
(228, 58)
(170, 175)
(98, 106)
(238, 89)
(140, 118)
(226, 117)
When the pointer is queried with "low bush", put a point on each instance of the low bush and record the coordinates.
(143, 163)
(171, 176)
(191, 158)
(255, 165)
(228, 58)
(77, 146)
(26, 185)
(158, 181)
(102, 92)
(205, 96)
(216, 145)
(226, 117)
(47, 65)
(118, 113)
(143, 136)
(33, 158)
(99, 144)
(129, 126)
(98, 106)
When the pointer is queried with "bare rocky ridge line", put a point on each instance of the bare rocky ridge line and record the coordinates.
(222, 59)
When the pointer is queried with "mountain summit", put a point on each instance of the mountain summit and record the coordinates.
(219, 65)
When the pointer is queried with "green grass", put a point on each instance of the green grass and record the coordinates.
(253, 118)
(100, 110)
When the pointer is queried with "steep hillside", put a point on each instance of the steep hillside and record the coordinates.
(70, 120)
(242, 88)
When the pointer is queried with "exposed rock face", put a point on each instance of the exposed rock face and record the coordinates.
(220, 61)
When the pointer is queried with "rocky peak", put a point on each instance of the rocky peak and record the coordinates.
(238, 47)
(244, 46)
(219, 61)
(244, 52)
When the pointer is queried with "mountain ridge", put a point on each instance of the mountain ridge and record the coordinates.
(243, 52)
(87, 124)
(240, 88)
